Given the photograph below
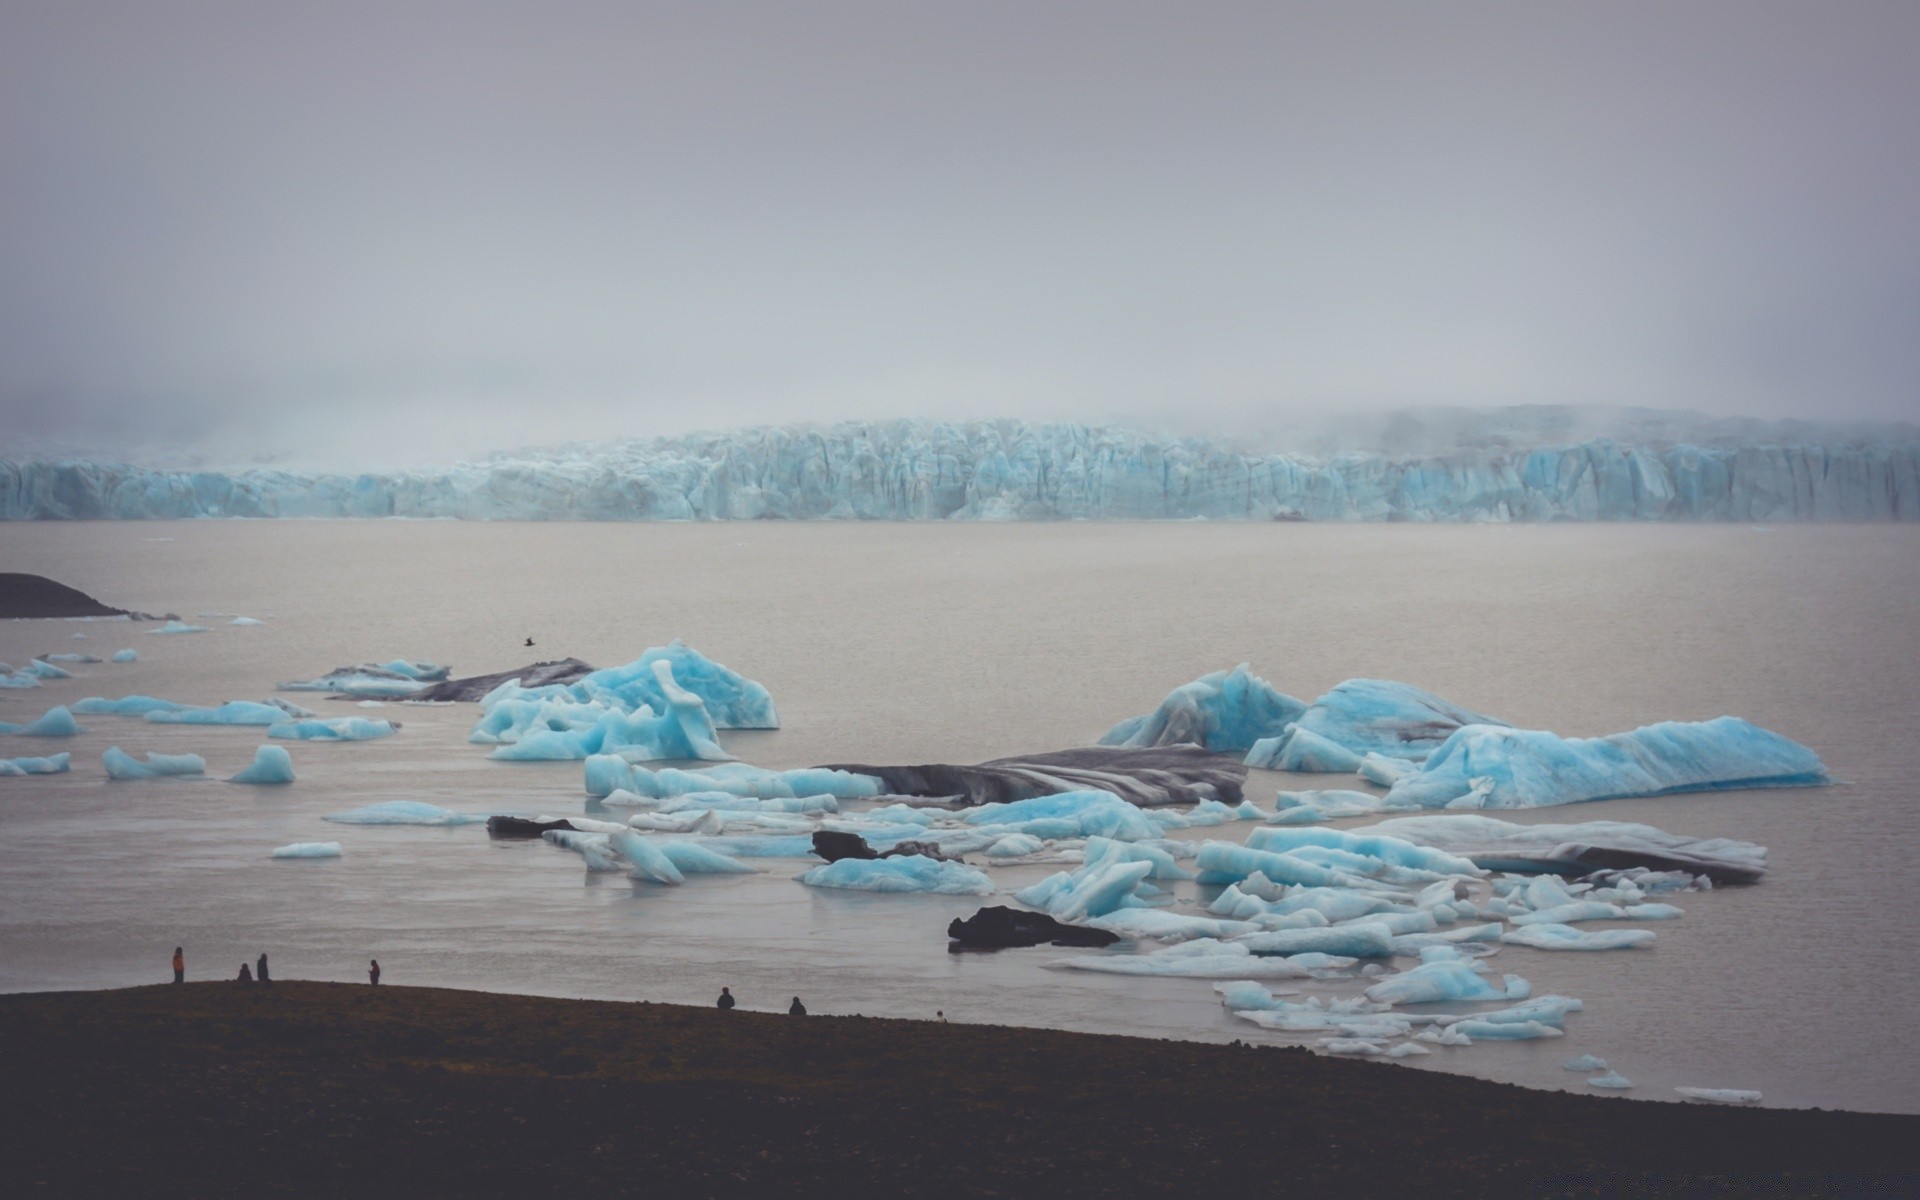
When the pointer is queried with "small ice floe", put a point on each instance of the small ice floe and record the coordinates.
(121, 765)
(42, 669)
(1444, 975)
(233, 712)
(126, 706)
(245, 621)
(1566, 937)
(55, 722)
(1585, 1062)
(81, 637)
(333, 729)
(179, 627)
(73, 658)
(907, 873)
(271, 765)
(608, 773)
(669, 860)
(17, 679)
(55, 764)
(1371, 1049)
(1719, 1095)
(404, 812)
(309, 850)
(1612, 1079)
(1310, 807)
(1208, 958)
(126, 656)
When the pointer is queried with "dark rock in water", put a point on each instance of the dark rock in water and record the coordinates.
(834, 846)
(36, 596)
(999, 927)
(1151, 776)
(521, 827)
(1588, 859)
(473, 687)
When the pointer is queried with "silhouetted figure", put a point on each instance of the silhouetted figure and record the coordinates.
(725, 1001)
(941, 1013)
(246, 974)
(179, 965)
(529, 641)
(373, 972)
(796, 1009)
(260, 969)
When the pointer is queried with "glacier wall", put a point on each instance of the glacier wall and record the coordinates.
(1010, 470)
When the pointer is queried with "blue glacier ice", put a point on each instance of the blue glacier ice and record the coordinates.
(1308, 807)
(333, 729)
(1483, 766)
(646, 860)
(404, 812)
(18, 679)
(1566, 937)
(126, 656)
(54, 764)
(732, 700)
(1363, 939)
(245, 621)
(1384, 718)
(1505, 1031)
(126, 706)
(692, 858)
(1226, 711)
(1387, 849)
(1144, 924)
(1092, 891)
(55, 722)
(121, 765)
(608, 773)
(1208, 958)
(908, 873)
(1534, 463)
(40, 668)
(179, 627)
(1086, 813)
(1444, 978)
(1224, 862)
(639, 712)
(271, 764)
(233, 712)
(595, 848)
(1612, 1079)
(1585, 1062)
(309, 850)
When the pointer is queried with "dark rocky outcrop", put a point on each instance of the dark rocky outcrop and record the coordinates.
(473, 687)
(522, 827)
(24, 596)
(998, 927)
(1151, 776)
(834, 846)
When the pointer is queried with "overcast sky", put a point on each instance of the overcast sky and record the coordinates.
(407, 231)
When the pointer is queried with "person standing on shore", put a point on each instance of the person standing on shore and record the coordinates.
(796, 1009)
(725, 1001)
(373, 972)
(179, 965)
(260, 969)
(246, 974)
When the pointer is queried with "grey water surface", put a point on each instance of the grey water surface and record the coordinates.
(897, 642)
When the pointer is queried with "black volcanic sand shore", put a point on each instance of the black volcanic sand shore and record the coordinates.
(307, 1089)
(35, 596)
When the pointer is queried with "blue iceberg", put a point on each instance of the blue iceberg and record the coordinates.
(54, 764)
(126, 706)
(534, 727)
(404, 812)
(1484, 766)
(309, 850)
(732, 700)
(907, 873)
(1089, 813)
(271, 765)
(55, 722)
(1302, 750)
(1383, 717)
(1393, 850)
(179, 627)
(1227, 711)
(1566, 937)
(233, 712)
(692, 858)
(126, 656)
(121, 765)
(333, 729)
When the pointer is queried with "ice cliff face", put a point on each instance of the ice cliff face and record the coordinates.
(907, 470)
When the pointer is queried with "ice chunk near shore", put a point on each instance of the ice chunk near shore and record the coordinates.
(1487, 767)
(1092, 891)
(126, 656)
(1225, 711)
(1612, 1079)
(404, 812)
(121, 765)
(1566, 937)
(233, 712)
(1443, 975)
(333, 729)
(271, 764)
(908, 873)
(309, 850)
(1505, 1031)
(1585, 1062)
(55, 764)
(55, 722)
(1719, 1095)
(179, 627)
(245, 621)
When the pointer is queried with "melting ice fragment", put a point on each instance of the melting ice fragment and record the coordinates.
(55, 764)
(404, 812)
(1612, 1079)
(908, 873)
(233, 712)
(126, 706)
(1585, 1062)
(333, 729)
(179, 627)
(55, 722)
(121, 765)
(1487, 767)
(1226, 711)
(126, 656)
(309, 850)
(271, 764)
(1566, 937)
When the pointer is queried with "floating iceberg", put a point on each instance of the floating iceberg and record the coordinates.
(1719, 1095)
(1445, 979)
(1304, 751)
(1396, 851)
(1491, 767)
(309, 850)
(533, 727)
(1225, 711)
(1585, 1062)
(1384, 718)
(1612, 1079)
(1142, 924)
(179, 627)
(271, 764)
(55, 722)
(1365, 939)
(1066, 815)
(1148, 777)
(121, 765)
(732, 700)
(41, 669)
(55, 764)
(1305, 808)
(333, 729)
(233, 712)
(73, 658)
(126, 706)
(909, 873)
(1581, 848)
(245, 621)
(404, 812)
(596, 848)
(609, 773)
(694, 859)
(1566, 937)
(18, 679)
(126, 656)
(1206, 958)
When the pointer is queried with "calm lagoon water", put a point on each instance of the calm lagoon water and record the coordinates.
(935, 642)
